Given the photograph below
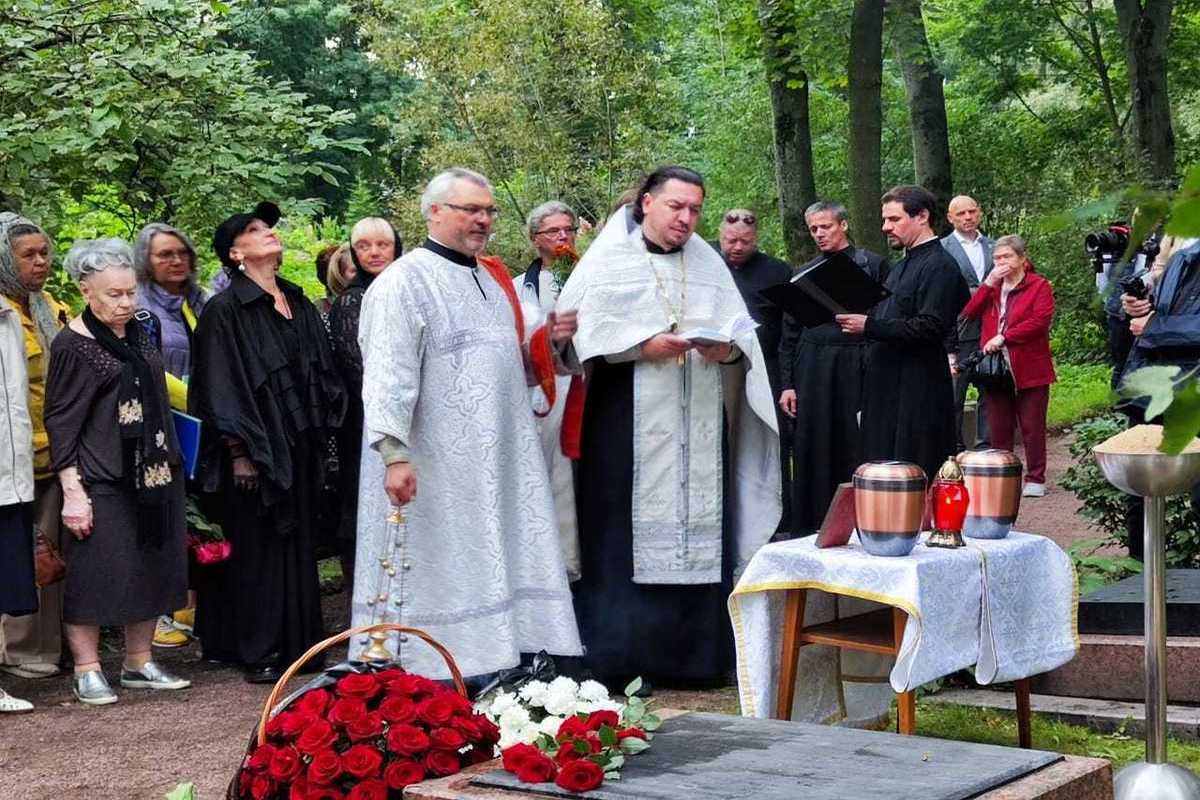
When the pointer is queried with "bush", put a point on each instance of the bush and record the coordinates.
(1081, 391)
(1105, 506)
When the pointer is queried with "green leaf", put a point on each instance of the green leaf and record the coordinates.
(545, 742)
(582, 747)
(608, 736)
(633, 745)
(1152, 209)
(1185, 217)
(651, 722)
(1157, 383)
(1181, 422)
(1191, 183)
(633, 715)
(183, 791)
(633, 688)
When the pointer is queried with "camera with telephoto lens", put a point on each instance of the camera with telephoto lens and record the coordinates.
(1134, 286)
(1106, 247)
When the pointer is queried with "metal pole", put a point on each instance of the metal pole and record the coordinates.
(1155, 623)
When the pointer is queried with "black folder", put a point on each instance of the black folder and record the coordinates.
(833, 285)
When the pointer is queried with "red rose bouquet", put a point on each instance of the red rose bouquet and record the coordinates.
(587, 748)
(364, 735)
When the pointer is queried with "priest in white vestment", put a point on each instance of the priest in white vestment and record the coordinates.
(449, 437)
(678, 478)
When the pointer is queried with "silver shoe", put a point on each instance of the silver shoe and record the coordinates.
(92, 688)
(152, 676)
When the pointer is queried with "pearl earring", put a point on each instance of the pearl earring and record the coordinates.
(241, 266)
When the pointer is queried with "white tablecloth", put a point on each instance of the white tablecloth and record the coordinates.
(1007, 606)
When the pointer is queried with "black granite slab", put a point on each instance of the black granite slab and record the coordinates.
(1116, 609)
(720, 757)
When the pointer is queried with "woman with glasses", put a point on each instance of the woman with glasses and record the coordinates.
(552, 227)
(374, 244)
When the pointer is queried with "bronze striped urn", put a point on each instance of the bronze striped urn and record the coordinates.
(889, 503)
(993, 479)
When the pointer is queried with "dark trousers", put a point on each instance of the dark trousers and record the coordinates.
(982, 426)
(1027, 408)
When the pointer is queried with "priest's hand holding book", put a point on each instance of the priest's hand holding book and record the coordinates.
(664, 346)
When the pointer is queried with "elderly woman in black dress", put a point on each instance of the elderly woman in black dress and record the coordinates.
(114, 449)
(265, 385)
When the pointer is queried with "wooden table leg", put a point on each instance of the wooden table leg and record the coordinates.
(793, 622)
(1024, 731)
(906, 713)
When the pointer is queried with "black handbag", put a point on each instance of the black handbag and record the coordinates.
(989, 371)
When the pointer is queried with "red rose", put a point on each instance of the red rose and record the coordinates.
(582, 775)
(403, 773)
(386, 677)
(373, 789)
(446, 739)
(245, 778)
(362, 761)
(316, 737)
(411, 685)
(598, 718)
(275, 727)
(285, 764)
(572, 726)
(480, 753)
(293, 723)
(536, 769)
(441, 762)
(323, 793)
(460, 704)
(314, 702)
(366, 727)
(567, 752)
(489, 732)
(407, 740)
(436, 710)
(626, 733)
(260, 759)
(324, 768)
(515, 755)
(398, 709)
(347, 710)
(363, 687)
(298, 790)
(467, 726)
(261, 787)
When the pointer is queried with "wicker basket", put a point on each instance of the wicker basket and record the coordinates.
(322, 646)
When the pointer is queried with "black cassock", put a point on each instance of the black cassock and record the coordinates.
(826, 368)
(908, 403)
(271, 384)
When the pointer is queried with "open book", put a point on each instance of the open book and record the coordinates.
(726, 334)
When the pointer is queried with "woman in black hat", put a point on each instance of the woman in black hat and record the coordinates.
(265, 385)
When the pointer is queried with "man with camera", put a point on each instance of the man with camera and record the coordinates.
(1166, 330)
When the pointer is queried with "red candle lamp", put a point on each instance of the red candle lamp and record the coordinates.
(950, 502)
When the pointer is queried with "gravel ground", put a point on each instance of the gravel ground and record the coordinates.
(148, 742)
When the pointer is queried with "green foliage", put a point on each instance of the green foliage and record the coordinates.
(1095, 569)
(1104, 506)
(1081, 391)
(184, 791)
(146, 98)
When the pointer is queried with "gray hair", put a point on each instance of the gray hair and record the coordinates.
(88, 257)
(141, 252)
(1012, 242)
(13, 227)
(439, 187)
(821, 206)
(548, 209)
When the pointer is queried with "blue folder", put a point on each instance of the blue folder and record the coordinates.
(187, 430)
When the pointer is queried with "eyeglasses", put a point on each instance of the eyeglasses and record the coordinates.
(735, 216)
(172, 255)
(554, 233)
(472, 211)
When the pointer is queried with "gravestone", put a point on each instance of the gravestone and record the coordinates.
(719, 757)
(1116, 609)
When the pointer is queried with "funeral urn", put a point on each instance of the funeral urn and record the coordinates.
(889, 503)
(993, 479)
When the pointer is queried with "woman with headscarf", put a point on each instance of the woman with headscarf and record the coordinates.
(374, 244)
(114, 449)
(266, 388)
(30, 646)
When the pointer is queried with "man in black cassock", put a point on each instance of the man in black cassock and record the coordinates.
(752, 271)
(822, 371)
(908, 406)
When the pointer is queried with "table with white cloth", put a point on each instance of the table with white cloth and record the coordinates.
(1007, 606)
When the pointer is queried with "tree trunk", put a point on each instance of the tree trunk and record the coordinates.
(1145, 28)
(927, 105)
(865, 71)
(792, 134)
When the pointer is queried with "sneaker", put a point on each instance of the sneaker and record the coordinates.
(152, 676)
(13, 705)
(92, 687)
(185, 620)
(32, 670)
(1034, 490)
(167, 635)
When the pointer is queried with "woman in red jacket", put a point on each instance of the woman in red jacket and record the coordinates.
(1017, 307)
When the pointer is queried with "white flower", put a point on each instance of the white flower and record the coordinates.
(563, 684)
(550, 725)
(534, 693)
(584, 707)
(503, 702)
(593, 691)
(514, 717)
(562, 703)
